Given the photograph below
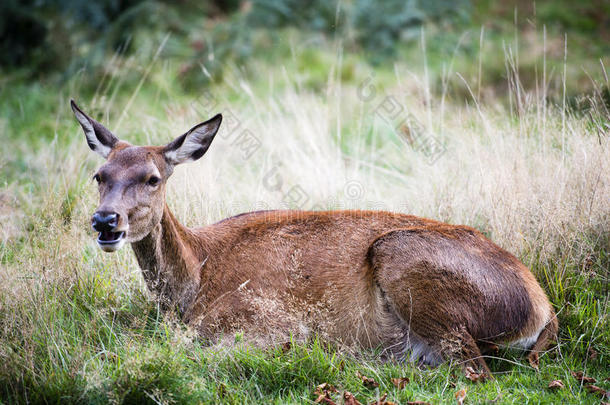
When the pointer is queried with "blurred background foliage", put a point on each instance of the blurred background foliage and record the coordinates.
(199, 42)
(43, 38)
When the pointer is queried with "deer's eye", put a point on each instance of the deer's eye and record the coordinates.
(97, 178)
(153, 181)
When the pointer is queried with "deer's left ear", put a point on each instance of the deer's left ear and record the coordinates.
(99, 138)
(192, 145)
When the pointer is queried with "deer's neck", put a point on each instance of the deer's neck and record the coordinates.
(171, 258)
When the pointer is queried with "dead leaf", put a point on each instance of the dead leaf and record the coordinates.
(582, 378)
(594, 389)
(473, 375)
(367, 381)
(325, 399)
(382, 401)
(400, 382)
(324, 387)
(323, 392)
(418, 403)
(349, 399)
(556, 385)
(460, 396)
(286, 346)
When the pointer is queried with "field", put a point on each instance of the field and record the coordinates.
(504, 131)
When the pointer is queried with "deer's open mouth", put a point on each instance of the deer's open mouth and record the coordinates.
(111, 241)
(110, 237)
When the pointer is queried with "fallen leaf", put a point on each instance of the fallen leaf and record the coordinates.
(324, 387)
(325, 399)
(460, 396)
(382, 401)
(400, 382)
(367, 381)
(583, 379)
(349, 399)
(556, 385)
(473, 375)
(286, 346)
(594, 389)
(323, 392)
(592, 353)
(418, 403)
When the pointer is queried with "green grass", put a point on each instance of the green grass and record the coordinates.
(79, 326)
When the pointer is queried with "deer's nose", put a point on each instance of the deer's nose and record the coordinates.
(104, 221)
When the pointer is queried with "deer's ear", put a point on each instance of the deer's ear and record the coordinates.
(192, 145)
(99, 138)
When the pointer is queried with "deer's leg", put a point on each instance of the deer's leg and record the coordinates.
(470, 354)
(435, 344)
(548, 334)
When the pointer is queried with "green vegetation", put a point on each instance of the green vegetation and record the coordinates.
(524, 128)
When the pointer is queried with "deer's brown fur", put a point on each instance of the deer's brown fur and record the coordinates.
(412, 286)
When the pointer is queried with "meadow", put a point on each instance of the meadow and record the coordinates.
(505, 131)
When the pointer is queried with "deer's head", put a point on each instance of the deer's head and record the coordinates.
(132, 181)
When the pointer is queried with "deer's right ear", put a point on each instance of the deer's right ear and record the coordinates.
(99, 138)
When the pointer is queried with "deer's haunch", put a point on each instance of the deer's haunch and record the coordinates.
(414, 286)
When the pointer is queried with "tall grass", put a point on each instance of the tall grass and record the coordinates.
(77, 325)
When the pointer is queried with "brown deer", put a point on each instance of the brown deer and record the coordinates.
(415, 287)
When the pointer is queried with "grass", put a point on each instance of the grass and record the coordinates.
(530, 171)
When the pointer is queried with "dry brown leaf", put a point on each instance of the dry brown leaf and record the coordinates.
(418, 403)
(460, 396)
(582, 378)
(556, 385)
(325, 399)
(382, 401)
(286, 346)
(349, 399)
(473, 375)
(367, 381)
(594, 389)
(400, 382)
(322, 388)
(323, 392)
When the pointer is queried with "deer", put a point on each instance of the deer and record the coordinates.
(418, 289)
